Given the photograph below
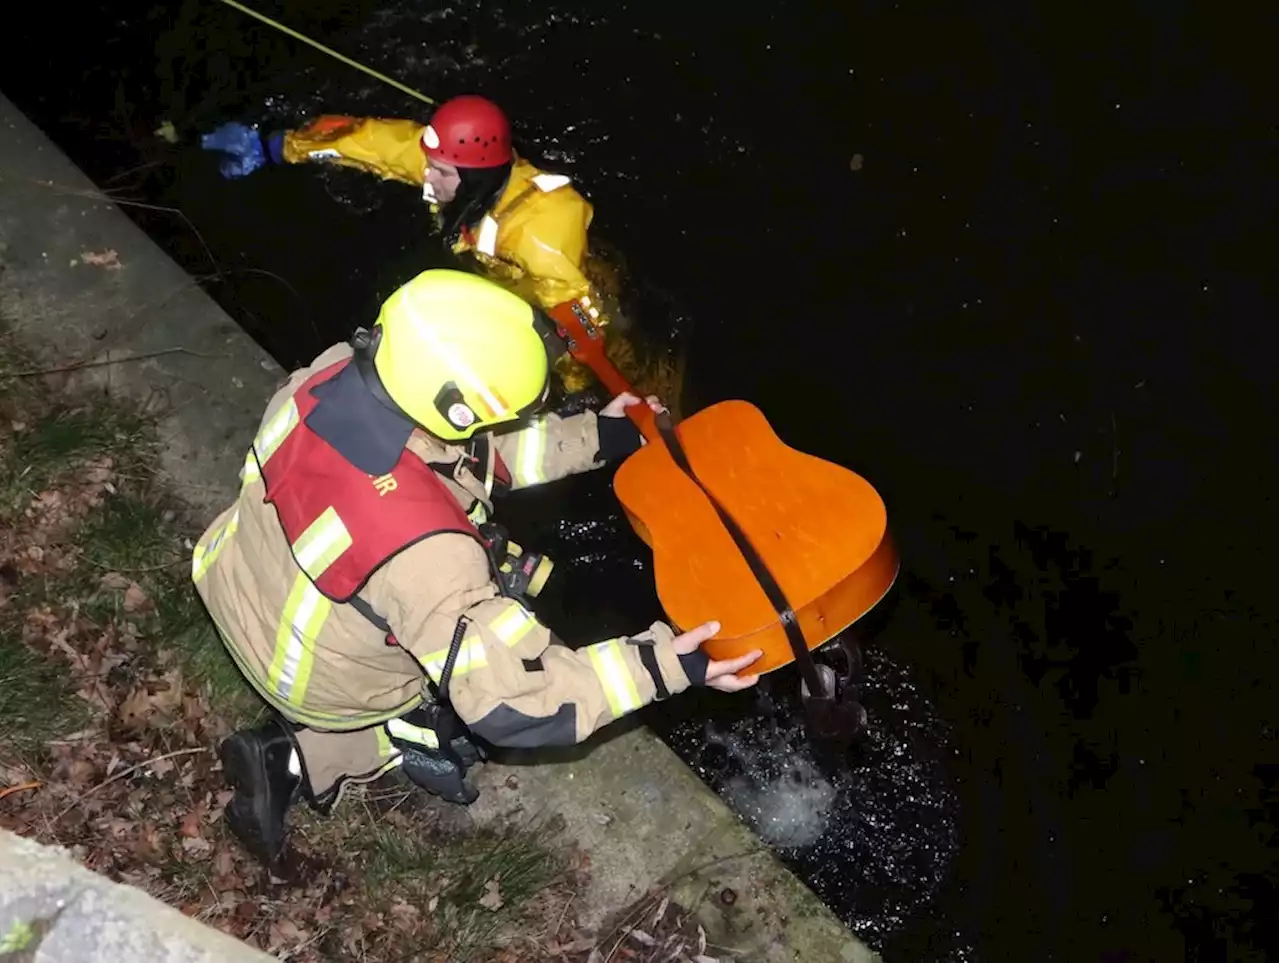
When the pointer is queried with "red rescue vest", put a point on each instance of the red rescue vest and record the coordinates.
(307, 478)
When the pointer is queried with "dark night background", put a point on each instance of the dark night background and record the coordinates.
(1041, 319)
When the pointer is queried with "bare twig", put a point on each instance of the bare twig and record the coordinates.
(127, 772)
(555, 933)
(77, 365)
(21, 787)
(136, 571)
(134, 170)
(637, 913)
(219, 273)
(100, 196)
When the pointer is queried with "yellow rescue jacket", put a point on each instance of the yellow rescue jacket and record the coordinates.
(533, 241)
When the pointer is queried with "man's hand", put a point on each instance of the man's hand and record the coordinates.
(720, 673)
(617, 408)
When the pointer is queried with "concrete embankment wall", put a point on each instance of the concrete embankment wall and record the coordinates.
(628, 800)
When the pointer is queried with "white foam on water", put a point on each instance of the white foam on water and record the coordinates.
(788, 809)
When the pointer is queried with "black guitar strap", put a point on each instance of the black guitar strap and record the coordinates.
(772, 590)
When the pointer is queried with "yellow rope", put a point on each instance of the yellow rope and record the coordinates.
(332, 53)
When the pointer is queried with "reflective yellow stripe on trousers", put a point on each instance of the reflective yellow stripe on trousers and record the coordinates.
(249, 473)
(615, 678)
(268, 440)
(206, 553)
(306, 609)
(411, 733)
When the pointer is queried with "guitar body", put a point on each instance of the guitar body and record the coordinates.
(821, 530)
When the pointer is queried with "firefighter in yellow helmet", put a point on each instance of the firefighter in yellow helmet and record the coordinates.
(527, 229)
(362, 589)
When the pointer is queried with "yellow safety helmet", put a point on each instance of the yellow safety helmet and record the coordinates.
(459, 354)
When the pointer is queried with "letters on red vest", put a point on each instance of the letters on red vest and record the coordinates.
(306, 477)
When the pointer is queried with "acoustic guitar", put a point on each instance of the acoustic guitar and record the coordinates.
(784, 549)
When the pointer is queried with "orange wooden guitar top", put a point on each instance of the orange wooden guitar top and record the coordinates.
(821, 530)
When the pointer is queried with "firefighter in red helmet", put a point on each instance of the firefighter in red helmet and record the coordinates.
(526, 228)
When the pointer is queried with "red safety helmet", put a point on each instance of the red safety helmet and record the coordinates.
(468, 131)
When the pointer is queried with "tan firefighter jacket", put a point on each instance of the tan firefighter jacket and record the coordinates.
(325, 665)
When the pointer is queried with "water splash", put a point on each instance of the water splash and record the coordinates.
(786, 805)
(874, 833)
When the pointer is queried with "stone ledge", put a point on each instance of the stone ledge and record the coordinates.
(53, 910)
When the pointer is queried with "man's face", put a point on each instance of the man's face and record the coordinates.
(443, 181)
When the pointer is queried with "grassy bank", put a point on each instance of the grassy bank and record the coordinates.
(114, 691)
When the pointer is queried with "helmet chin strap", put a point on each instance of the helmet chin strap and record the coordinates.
(364, 345)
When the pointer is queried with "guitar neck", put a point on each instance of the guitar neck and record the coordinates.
(585, 342)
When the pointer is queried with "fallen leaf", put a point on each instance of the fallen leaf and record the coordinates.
(643, 938)
(136, 709)
(404, 915)
(135, 600)
(230, 897)
(492, 898)
(224, 863)
(99, 470)
(169, 698)
(108, 259)
(113, 581)
(662, 909)
(167, 132)
(190, 824)
(574, 946)
(81, 771)
(197, 846)
(285, 931)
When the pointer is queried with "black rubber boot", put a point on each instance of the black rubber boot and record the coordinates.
(256, 765)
